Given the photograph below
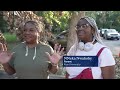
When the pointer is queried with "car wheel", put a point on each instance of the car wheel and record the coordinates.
(107, 38)
(117, 38)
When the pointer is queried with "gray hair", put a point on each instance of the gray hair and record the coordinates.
(96, 35)
(92, 22)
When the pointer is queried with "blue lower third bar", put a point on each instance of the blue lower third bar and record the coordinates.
(80, 61)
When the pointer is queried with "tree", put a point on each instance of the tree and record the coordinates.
(57, 19)
(71, 35)
(16, 20)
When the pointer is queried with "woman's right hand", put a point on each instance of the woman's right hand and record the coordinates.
(5, 57)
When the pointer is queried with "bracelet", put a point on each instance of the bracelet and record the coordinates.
(53, 64)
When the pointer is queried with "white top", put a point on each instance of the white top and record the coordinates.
(105, 59)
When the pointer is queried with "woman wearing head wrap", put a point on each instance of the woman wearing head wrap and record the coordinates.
(89, 44)
(29, 59)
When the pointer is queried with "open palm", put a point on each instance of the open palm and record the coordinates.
(5, 57)
(57, 55)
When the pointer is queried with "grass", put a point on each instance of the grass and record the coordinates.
(10, 38)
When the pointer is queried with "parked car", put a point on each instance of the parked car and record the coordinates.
(61, 39)
(102, 32)
(111, 34)
(99, 31)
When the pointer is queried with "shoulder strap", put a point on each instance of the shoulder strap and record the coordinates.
(99, 52)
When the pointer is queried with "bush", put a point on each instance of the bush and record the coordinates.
(10, 38)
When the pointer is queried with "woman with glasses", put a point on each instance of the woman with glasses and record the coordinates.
(89, 44)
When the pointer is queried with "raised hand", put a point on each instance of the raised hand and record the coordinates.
(57, 55)
(5, 56)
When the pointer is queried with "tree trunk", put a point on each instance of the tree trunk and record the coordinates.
(71, 35)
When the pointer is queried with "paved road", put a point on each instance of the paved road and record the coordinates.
(114, 45)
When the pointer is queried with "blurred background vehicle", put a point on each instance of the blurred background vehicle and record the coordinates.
(111, 34)
(99, 31)
(102, 32)
(60, 39)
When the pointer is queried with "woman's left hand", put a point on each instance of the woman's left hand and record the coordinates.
(57, 55)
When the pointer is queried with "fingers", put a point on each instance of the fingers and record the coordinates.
(61, 52)
(3, 47)
(59, 47)
(55, 47)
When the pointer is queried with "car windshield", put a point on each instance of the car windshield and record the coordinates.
(104, 30)
(112, 30)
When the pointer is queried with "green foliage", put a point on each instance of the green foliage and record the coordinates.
(10, 38)
(106, 19)
(3, 24)
(58, 19)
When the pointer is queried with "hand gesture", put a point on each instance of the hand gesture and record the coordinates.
(5, 56)
(57, 55)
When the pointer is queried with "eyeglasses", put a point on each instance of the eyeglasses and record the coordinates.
(83, 26)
